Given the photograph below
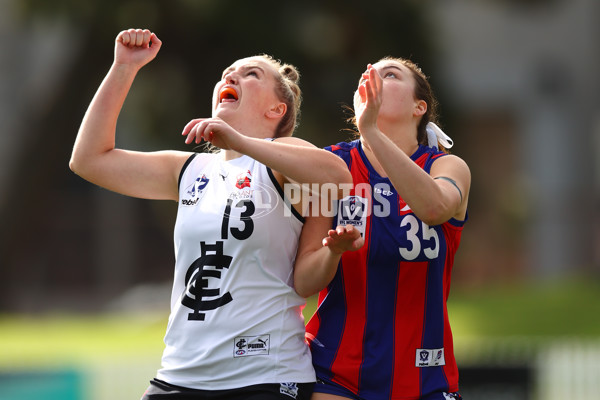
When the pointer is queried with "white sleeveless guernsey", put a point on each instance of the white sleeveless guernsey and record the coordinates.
(235, 317)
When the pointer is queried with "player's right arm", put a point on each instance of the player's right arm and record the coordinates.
(147, 175)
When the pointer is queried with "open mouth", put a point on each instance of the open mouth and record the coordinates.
(228, 95)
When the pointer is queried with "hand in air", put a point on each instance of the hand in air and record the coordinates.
(370, 92)
(136, 47)
(343, 238)
(213, 130)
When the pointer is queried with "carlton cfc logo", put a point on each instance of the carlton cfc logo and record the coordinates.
(243, 180)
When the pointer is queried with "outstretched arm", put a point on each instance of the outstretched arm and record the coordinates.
(318, 257)
(434, 201)
(95, 158)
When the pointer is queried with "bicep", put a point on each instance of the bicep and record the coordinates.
(149, 175)
(453, 177)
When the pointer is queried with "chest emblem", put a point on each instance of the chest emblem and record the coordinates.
(243, 180)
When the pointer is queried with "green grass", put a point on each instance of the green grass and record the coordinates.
(73, 339)
(552, 310)
(563, 308)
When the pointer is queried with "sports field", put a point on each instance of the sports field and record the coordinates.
(120, 352)
(566, 308)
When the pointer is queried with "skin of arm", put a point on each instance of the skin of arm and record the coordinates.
(291, 159)
(317, 258)
(147, 175)
(433, 201)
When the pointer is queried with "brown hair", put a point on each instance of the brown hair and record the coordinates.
(289, 92)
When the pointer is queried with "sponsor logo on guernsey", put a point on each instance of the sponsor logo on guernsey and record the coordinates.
(195, 190)
(243, 180)
(383, 189)
(245, 346)
(289, 389)
(430, 357)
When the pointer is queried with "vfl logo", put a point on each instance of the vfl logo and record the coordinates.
(197, 281)
(243, 180)
(430, 358)
(353, 210)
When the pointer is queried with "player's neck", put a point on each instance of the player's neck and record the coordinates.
(229, 155)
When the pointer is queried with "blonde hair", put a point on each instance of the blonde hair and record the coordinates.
(288, 91)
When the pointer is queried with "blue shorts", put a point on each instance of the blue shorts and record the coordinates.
(324, 385)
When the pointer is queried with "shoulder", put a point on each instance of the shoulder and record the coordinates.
(428, 156)
(342, 147)
(198, 160)
(195, 161)
(294, 141)
(446, 161)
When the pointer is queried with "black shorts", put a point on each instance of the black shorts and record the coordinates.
(159, 390)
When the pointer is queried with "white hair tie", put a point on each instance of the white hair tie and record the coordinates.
(435, 135)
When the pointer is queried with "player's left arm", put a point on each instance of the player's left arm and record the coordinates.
(452, 177)
(435, 197)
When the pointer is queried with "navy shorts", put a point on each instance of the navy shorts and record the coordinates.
(324, 385)
(159, 390)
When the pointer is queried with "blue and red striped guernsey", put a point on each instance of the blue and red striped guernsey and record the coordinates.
(381, 328)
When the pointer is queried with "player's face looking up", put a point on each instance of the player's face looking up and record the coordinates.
(398, 91)
(247, 90)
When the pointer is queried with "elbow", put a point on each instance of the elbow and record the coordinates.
(346, 176)
(79, 165)
(75, 163)
(300, 286)
(305, 292)
(305, 285)
(433, 215)
(343, 179)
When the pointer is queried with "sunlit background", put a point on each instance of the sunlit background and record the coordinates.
(86, 274)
